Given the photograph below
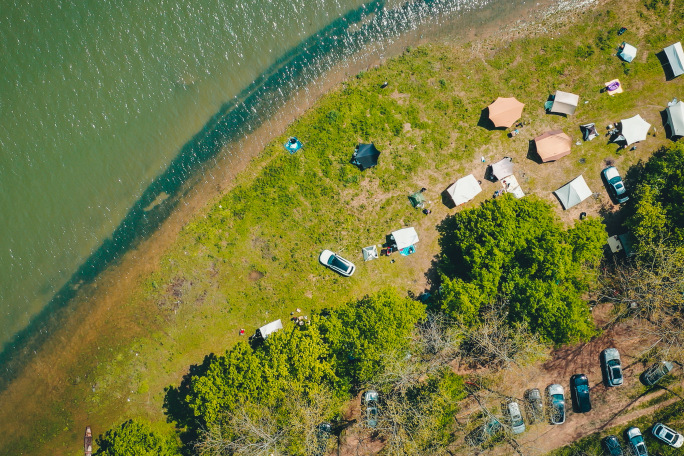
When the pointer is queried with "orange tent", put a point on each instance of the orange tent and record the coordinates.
(553, 145)
(505, 111)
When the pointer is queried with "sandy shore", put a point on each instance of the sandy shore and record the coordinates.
(108, 304)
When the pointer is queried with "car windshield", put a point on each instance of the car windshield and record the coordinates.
(517, 421)
(557, 398)
(336, 262)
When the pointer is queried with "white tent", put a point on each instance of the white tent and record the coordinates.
(627, 53)
(634, 129)
(269, 329)
(573, 193)
(675, 56)
(370, 253)
(564, 102)
(503, 168)
(675, 118)
(464, 189)
(405, 237)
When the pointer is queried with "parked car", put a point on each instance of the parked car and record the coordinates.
(616, 188)
(515, 415)
(556, 398)
(667, 435)
(610, 364)
(636, 441)
(337, 263)
(611, 445)
(534, 405)
(370, 399)
(323, 434)
(579, 387)
(655, 373)
(483, 433)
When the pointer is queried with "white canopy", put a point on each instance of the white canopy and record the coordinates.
(634, 129)
(503, 168)
(628, 52)
(564, 102)
(405, 237)
(511, 185)
(370, 253)
(573, 192)
(269, 329)
(464, 189)
(675, 118)
(675, 56)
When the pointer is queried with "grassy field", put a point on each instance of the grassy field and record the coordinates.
(252, 256)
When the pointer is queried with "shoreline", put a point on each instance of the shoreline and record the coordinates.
(126, 273)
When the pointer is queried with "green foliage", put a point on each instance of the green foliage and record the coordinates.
(658, 199)
(584, 51)
(293, 360)
(517, 252)
(134, 438)
(359, 333)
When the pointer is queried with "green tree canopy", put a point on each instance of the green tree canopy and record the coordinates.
(360, 332)
(134, 438)
(516, 253)
(658, 199)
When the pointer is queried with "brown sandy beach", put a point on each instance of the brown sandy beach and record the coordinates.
(111, 312)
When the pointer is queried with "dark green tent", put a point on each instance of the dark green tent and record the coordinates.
(417, 199)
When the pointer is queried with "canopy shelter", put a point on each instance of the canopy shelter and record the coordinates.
(573, 193)
(464, 189)
(417, 199)
(553, 145)
(505, 111)
(365, 156)
(502, 168)
(268, 329)
(564, 103)
(627, 52)
(369, 253)
(589, 131)
(675, 118)
(675, 57)
(634, 129)
(405, 237)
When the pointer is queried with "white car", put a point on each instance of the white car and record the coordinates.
(556, 398)
(337, 263)
(667, 435)
(517, 423)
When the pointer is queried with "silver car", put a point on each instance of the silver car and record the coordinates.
(370, 398)
(556, 397)
(667, 435)
(656, 372)
(517, 423)
(610, 363)
(337, 263)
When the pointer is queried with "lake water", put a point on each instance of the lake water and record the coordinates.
(106, 106)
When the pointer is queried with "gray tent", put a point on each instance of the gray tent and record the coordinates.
(370, 253)
(573, 193)
(675, 57)
(564, 103)
(675, 118)
(503, 168)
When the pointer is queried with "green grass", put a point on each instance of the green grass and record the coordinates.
(252, 256)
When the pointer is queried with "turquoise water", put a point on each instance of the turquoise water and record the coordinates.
(106, 104)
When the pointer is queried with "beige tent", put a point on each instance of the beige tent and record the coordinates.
(553, 145)
(505, 111)
(464, 189)
(564, 103)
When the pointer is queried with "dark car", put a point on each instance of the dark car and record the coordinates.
(534, 405)
(579, 390)
(611, 445)
(323, 433)
(485, 432)
(610, 364)
(616, 188)
(655, 373)
(636, 441)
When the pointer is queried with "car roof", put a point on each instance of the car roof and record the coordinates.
(611, 353)
(611, 172)
(556, 389)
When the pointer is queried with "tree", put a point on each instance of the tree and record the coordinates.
(134, 438)
(517, 252)
(359, 333)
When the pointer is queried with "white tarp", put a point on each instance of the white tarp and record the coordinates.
(464, 189)
(634, 129)
(511, 185)
(573, 192)
(503, 168)
(370, 253)
(675, 56)
(269, 329)
(675, 118)
(564, 102)
(405, 237)
(628, 52)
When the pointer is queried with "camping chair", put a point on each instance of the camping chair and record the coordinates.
(548, 105)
